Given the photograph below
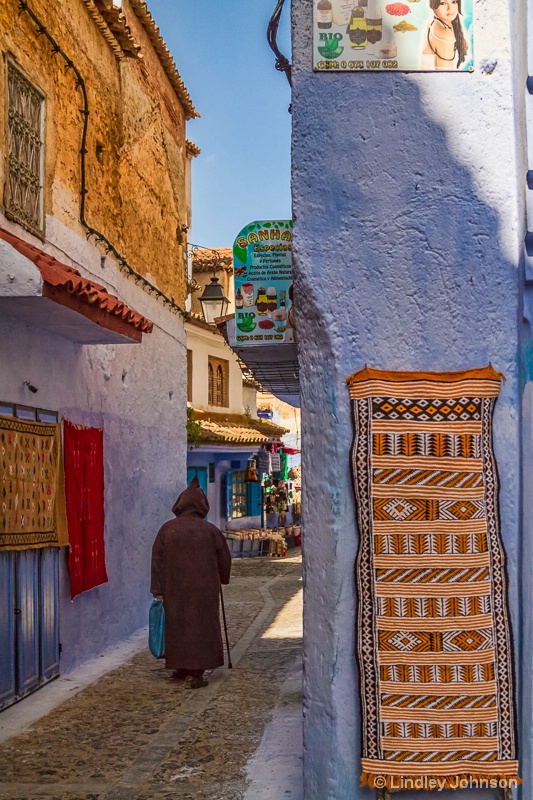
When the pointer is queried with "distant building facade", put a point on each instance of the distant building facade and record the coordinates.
(223, 405)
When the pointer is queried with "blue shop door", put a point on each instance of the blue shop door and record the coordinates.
(7, 629)
(200, 473)
(49, 613)
(29, 621)
(255, 500)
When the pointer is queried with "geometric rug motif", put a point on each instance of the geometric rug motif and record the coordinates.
(32, 492)
(434, 642)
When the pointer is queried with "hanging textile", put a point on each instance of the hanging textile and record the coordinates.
(84, 483)
(284, 466)
(263, 462)
(434, 636)
(32, 512)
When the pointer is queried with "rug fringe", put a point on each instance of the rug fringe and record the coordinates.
(459, 781)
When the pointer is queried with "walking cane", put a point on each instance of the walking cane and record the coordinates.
(230, 665)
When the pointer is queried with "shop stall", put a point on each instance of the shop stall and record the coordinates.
(276, 487)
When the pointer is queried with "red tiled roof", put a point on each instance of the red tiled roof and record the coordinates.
(192, 149)
(206, 258)
(235, 429)
(230, 433)
(113, 26)
(61, 282)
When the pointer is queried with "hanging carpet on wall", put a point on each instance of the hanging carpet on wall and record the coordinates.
(84, 483)
(32, 492)
(434, 637)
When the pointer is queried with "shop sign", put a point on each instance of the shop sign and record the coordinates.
(262, 263)
(393, 35)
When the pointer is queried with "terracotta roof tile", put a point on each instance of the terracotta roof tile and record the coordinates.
(192, 149)
(205, 259)
(147, 21)
(236, 428)
(112, 24)
(233, 434)
(71, 282)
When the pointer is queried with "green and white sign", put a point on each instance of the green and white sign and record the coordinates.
(262, 264)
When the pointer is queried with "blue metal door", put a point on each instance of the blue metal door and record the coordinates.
(27, 620)
(7, 629)
(29, 623)
(49, 613)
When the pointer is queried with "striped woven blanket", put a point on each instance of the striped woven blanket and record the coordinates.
(434, 636)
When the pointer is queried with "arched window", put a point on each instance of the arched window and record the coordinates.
(218, 380)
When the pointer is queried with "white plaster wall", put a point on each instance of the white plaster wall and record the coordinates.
(203, 344)
(137, 392)
(287, 417)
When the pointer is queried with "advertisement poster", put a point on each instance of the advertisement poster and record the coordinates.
(401, 35)
(262, 263)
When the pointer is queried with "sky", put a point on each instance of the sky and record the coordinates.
(221, 52)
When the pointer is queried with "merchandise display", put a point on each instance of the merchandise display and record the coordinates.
(253, 542)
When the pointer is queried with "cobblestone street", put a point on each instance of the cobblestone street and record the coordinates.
(135, 734)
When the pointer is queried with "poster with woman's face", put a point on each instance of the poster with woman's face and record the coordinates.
(396, 35)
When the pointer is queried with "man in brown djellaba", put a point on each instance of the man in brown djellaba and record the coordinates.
(190, 559)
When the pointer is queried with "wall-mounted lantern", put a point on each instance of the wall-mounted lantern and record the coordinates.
(213, 301)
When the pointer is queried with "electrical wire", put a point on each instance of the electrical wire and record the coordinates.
(282, 62)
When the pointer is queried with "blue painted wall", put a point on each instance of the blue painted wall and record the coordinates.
(409, 225)
(137, 394)
(216, 491)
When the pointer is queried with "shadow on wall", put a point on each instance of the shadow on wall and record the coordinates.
(398, 264)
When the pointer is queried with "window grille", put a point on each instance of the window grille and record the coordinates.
(24, 185)
(27, 413)
(218, 380)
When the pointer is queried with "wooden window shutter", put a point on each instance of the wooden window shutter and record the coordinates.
(189, 376)
(218, 382)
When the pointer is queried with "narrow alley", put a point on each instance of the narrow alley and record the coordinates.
(134, 734)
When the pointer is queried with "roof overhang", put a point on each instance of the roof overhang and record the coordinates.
(231, 450)
(233, 431)
(275, 366)
(38, 289)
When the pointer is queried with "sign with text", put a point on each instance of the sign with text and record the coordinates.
(262, 263)
(393, 35)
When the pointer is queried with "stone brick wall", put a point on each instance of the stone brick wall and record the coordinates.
(136, 156)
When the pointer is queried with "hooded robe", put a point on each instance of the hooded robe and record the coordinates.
(190, 559)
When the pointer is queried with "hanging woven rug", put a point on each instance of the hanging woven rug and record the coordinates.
(434, 637)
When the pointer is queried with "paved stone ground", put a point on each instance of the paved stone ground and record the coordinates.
(137, 735)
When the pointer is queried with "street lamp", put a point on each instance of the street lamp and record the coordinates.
(213, 301)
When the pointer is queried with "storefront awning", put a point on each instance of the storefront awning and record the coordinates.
(40, 289)
(275, 367)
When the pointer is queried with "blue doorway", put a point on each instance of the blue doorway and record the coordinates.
(200, 473)
(29, 622)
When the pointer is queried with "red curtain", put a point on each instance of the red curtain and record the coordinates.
(84, 487)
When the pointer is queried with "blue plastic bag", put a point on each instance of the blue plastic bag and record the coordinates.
(156, 629)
